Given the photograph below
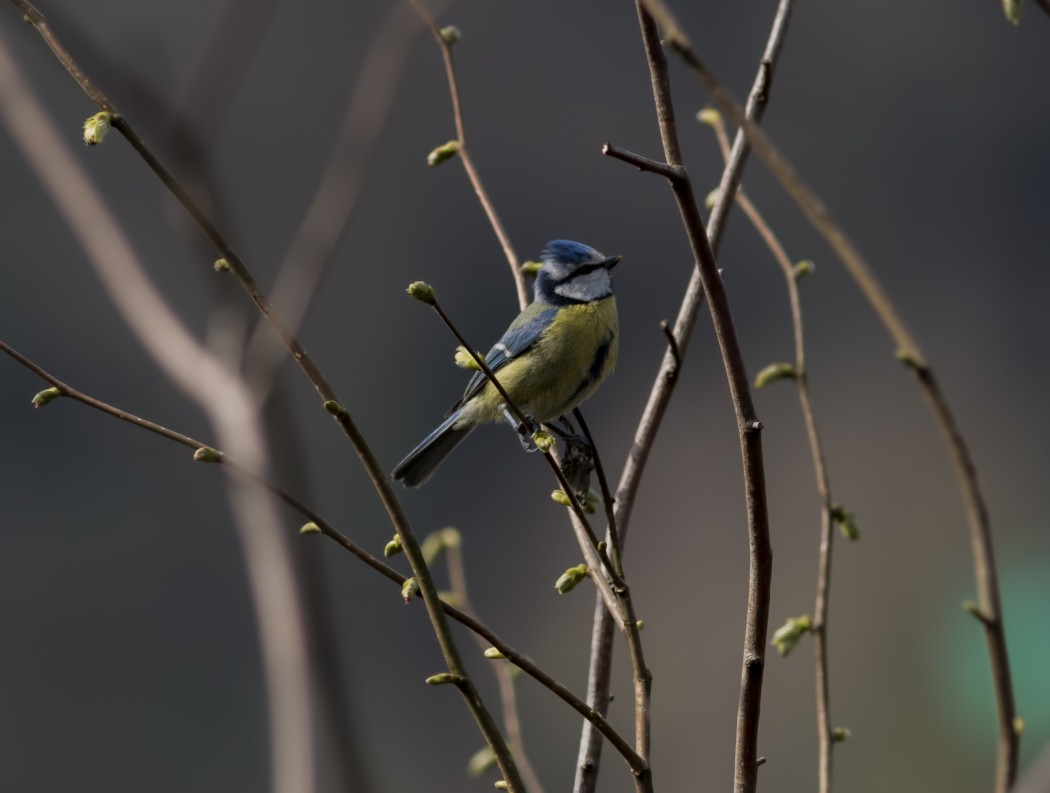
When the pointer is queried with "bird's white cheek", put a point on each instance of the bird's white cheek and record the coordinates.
(587, 287)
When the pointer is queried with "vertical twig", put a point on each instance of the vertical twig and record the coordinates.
(660, 396)
(825, 735)
(748, 426)
(468, 162)
(908, 351)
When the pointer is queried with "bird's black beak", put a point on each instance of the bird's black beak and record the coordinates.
(611, 262)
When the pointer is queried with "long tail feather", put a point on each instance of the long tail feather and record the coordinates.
(422, 461)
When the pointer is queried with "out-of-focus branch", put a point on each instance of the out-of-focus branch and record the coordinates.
(343, 177)
(224, 398)
(457, 672)
(662, 390)
(457, 574)
(909, 353)
(326, 528)
(463, 152)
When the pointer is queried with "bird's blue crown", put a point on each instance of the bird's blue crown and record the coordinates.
(569, 252)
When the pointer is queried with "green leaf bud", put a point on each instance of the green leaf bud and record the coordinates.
(1012, 9)
(502, 785)
(46, 396)
(334, 407)
(531, 267)
(450, 34)
(787, 635)
(409, 589)
(97, 127)
(773, 373)
(709, 116)
(423, 292)
(392, 548)
(840, 734)
(544, 441)
(847, 522)
(206, 454)
(444, 679)
(1018, 725)
(446, 151)
(804, 269)
(493, 654)
(559, 497)
(464, 360)
(568, 580)
(310, 528)
(221, 266)
(712, 198)
(483, 760)
(640, 624)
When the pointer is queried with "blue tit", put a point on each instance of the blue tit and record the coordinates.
(551, 358)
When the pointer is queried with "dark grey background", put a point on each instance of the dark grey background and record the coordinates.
(128, 659)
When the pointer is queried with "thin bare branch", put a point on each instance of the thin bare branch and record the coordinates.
(909, 352)
(376, 474)
(748, 426)
(445, 44)
(663, 388)
(329, 530)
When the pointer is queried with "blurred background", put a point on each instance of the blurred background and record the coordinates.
(129, 655)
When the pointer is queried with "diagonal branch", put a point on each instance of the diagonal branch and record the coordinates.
(456, 669)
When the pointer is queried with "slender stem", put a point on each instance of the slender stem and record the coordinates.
(383, 487)
(504, 677)
(468, 162)
(517, 658)
(825, 738)
(748, 427)
(663, 388)
(908, 351)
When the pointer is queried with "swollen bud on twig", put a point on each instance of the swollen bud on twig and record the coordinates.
(1018, 725)
(444, 679)
(531, 268)
(45, 396)
(464, 360)
(544, 441)
(310, 528)
(559, 497)
(1012, 8)
(450, 34)
(392, 548)
(712, 198)
(568, 580)
(423, 292)
(787, 635)
(493, 654)
(840, 734)
(773, 373)
(847, 522)
(334, 408)
(221, 266)
(206, 454)
(96, 128)
(709, 116)
(483, 760)
(502, 785)
(409, 589)
(804, 269)
(446, 151)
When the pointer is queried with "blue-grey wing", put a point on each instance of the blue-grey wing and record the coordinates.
(521, 335)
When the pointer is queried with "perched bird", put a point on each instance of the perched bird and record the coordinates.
(551, 358)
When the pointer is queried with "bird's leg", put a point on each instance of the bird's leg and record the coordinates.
(525, 430)
(569, 435)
